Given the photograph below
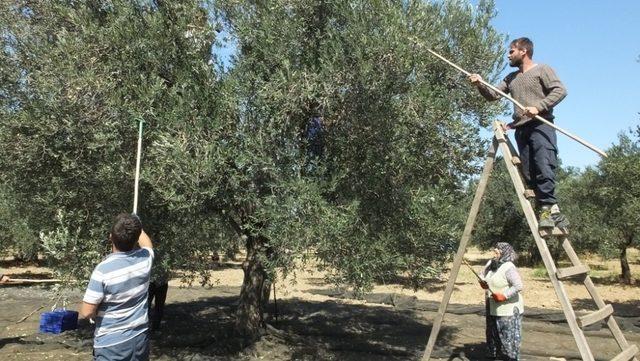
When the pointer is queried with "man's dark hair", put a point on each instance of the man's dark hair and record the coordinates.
(523, 44)
(125, 231)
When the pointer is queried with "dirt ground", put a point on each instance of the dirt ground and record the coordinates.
(315, 321)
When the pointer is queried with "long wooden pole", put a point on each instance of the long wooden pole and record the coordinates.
(137, 179)
(574, 137)
(31, 280)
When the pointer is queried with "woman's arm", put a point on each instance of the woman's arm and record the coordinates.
(515, 282)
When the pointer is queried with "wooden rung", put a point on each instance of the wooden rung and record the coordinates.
(627, 354)
(556, 232)
(563, 273)
(596, 316)
(515, 160)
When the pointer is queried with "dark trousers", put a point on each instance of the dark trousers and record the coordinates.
(159, 292)
(539, 156)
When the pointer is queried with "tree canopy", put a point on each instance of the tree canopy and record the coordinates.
(606, 203)
(226, 159)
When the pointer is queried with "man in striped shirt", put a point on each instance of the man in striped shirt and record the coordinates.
(117, 294)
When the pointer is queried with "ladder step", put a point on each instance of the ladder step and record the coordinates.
(529, 193)
(557, 232)
(596, 316)
(568, 272)
(627, 354)
(515, 160)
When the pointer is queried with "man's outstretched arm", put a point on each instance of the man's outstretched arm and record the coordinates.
(486, 92)
(144, 241)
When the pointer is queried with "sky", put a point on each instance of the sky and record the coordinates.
(594, 47)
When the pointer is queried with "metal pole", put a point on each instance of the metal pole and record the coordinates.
(476, 274)
(275, 301)
(137, 179)
(574, 137)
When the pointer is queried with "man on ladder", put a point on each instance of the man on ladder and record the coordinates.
(538, 88)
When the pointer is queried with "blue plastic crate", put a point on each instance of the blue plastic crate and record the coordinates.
(58, 321)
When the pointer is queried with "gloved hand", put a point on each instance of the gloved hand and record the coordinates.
(498, 297)
(483, 284)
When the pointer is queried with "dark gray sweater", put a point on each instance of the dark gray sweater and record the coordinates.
(538, 87)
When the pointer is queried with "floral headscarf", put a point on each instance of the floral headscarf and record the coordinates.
(507, 254)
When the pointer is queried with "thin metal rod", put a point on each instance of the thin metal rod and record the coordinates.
(477, 275)
(574, 137)
(275, 301)
(472, 270)
(137, 180)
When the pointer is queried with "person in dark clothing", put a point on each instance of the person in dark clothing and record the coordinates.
(158, 291)
(158, 288)
(539, 89)
(314, 135)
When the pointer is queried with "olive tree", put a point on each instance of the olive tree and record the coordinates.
(227, 156)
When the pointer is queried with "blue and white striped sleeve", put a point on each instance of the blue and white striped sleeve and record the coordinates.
(151, 252)
(95, 289)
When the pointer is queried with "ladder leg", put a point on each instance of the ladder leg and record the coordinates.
(578, 335)
(466, 235)
(591, 288)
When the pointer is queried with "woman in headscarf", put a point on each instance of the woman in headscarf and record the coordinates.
(504, 303)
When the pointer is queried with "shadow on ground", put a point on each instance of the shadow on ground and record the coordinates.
(474, 351)
(304, 330)
(7, 263)
(198, 325)
(612, 279)
(626, 313)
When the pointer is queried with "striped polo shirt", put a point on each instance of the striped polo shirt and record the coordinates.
(119, 286)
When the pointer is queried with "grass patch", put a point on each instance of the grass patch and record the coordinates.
(539, 272)
(599, 267)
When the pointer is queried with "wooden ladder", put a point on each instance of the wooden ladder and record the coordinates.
(577, 270)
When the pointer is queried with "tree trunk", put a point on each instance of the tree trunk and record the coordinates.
(255, 286)
(625, 275)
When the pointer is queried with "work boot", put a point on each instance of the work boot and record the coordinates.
(558, 218)
(545, 221)
(550, 217)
